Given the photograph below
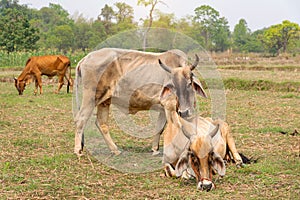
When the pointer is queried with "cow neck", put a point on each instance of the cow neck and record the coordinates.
(23, 76)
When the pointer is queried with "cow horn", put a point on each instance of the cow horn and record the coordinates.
(188, 128)
(215, 131)
(195, 63)
(165, 67)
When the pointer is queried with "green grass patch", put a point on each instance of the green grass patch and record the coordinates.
(261, 85)
(271, 130)
(290, 96)
(261, 67)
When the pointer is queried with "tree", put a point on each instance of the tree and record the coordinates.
(124, 17)
(241, 36)
(279, 36)
(124, 12)
(61, 37)
(164, 20)
(152, 4)
(213, 28)
(16, 33)
(254, 43)
(107, 14)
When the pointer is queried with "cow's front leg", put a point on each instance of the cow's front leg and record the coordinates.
(38, 83)
(101, 123)
(36, 87)
(161, 122)
(169, 170)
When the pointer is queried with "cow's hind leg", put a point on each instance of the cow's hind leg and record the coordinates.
(69, 79)
(101, 122)
(81, 119)
(231, 144)
(60, 83)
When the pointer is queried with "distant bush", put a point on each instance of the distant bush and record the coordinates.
(18, 59)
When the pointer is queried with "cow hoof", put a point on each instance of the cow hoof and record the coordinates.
(155, 153)
(78, 152)
(240, 165)
(116, 152)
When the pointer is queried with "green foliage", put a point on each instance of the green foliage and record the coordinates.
(124, 13)
(18, 59)
(213, 28)
(51, 27)
(279, 36)
(16, 34)
(61, 37)
(241, 36)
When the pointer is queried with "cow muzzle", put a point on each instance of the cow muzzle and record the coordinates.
(184, 113)
(205, 185)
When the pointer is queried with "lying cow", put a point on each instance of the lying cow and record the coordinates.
(132, 81)
(50, 65)
(197, 143)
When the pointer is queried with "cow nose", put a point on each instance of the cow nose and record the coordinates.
(205, 185)
(183, 114)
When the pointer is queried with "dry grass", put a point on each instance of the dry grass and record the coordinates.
(37, 160)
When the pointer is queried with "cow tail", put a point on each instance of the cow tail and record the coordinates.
(69, 78)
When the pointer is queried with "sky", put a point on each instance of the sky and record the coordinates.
(257, 13)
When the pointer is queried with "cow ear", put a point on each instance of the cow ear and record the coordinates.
(166, 91)
(198, 88)
(182, 163)
(218, 163)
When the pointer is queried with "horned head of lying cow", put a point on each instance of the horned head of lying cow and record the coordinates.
(200, 156)
(20, 85)
(184, 84)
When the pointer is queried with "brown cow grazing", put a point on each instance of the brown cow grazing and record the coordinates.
(195, 146)
(51, 65)
(132, 81)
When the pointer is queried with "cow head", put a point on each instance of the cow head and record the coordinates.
(20, 85)
(184, 84)
(200, 156)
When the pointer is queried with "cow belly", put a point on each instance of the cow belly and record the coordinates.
(131, 100)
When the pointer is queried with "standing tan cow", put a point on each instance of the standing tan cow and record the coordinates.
(50, 65)
(132, 81)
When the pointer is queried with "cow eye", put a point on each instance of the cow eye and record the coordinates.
(189, 84)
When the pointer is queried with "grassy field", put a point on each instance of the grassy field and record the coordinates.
(37, 138)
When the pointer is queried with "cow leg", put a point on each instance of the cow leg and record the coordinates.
(101, 122)
(169, 170)
(60, 83)
(232, 148)
(161, 122)
(81, 119)
(36, 87)
(38, 82)
(69, 79)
